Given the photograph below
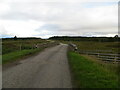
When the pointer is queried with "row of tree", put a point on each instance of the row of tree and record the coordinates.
(79, 38)
(22, 38)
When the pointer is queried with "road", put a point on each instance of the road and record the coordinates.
(48, 69)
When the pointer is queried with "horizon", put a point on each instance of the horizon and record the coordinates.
(57, 36)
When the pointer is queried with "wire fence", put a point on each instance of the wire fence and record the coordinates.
(104, 55)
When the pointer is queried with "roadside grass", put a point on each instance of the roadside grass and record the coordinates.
(13, 50)
(87, 73)
(110, 66)
(13, 56)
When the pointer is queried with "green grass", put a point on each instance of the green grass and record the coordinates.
(16, 49)
(92, 46)
(13, 56)
(9, 46)
(89, 74)
(102, 47)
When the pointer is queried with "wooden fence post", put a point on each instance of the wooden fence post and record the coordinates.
(98, 55)
(20, 47)
(115, 59)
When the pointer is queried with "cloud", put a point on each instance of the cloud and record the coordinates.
(3, 32)
(59, 17)
(71, 1)
(20, 28)
(4, 8)
(51, 27)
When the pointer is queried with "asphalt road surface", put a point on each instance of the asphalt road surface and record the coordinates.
(48, 69)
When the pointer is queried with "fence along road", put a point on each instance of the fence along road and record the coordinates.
(103, 56)
(48, 69)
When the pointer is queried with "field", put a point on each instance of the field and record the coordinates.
(16, 49)
(17, 45)
(112, 47)
(88, 73)
(103, 47)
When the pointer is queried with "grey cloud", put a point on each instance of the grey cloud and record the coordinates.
(48, 30)
(36, 11)
(62, 18)
(4, 32)
(50, 27)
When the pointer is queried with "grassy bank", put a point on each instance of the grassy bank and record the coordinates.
(13, 56)
(87, 73)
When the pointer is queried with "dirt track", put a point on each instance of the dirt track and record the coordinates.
(48, 69)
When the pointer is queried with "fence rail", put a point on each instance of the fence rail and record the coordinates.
(103, 56)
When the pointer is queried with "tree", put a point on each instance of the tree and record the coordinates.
(116, 36)
(15, 38)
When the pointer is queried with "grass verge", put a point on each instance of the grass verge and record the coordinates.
(13, 56)
(89, 74)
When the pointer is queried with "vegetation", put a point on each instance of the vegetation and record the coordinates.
(79, 38)
(101, 44)
(103, 47)
(11, 45)
(88, 73)
(16, 48)
(13, 56)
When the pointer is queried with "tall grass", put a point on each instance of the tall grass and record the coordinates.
(91, 45)
(9, 46)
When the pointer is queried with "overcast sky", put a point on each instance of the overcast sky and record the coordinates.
(46, 18)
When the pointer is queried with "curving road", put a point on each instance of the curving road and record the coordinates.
(48, 69)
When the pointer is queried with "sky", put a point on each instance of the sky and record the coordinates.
(46, 18)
